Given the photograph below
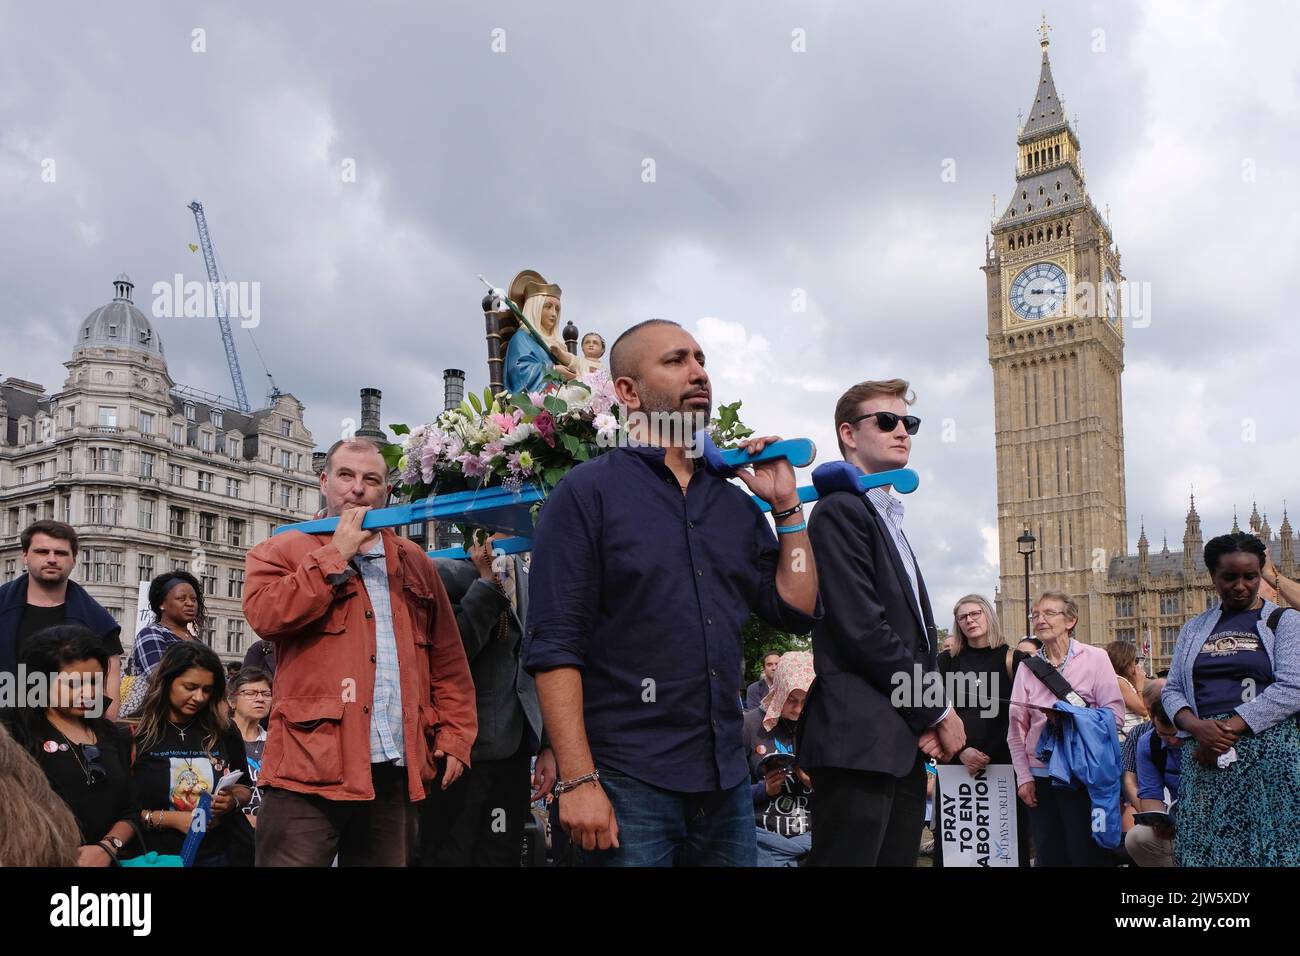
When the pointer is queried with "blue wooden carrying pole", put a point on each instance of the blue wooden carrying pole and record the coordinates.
(904, 481)
(499, 509)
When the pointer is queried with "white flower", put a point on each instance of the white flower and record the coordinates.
(523, 431)
(606, 428)
(575, 396)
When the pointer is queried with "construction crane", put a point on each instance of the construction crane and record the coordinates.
(214, 279)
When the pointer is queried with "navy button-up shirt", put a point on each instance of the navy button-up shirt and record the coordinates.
(646, 590)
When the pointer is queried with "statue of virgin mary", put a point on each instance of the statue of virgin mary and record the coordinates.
(527, 359)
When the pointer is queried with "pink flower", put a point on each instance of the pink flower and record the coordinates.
(545, 426)
(518, 467)
(492, 449)
(429, 458)
(472, 466)
(603, 396)
(504, 422)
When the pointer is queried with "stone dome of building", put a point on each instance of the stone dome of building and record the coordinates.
(119, 324)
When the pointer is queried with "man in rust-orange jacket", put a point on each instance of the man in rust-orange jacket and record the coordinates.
(372, 688)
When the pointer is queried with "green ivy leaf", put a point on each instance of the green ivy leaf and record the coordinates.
(555, 405)
(399, 429)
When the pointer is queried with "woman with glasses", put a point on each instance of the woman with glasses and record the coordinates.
(1234, 693)
(250, 699)
(184, 746)
(85, 757)
(1060, 817)
(985, 665)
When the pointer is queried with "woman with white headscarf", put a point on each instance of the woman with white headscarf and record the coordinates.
(781, 789)
(527, 360)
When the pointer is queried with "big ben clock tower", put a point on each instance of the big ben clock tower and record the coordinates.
(1056, 344)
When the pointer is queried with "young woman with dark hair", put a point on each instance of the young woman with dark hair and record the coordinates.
(184, 746)
(85, 757)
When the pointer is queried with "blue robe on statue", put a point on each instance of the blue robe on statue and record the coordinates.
(526, 362)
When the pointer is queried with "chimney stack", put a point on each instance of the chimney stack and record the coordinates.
(370, 399)
(453, 388)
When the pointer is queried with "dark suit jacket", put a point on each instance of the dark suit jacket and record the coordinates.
(755, 693)
(507, 696)
(78, 608)
(871, 632)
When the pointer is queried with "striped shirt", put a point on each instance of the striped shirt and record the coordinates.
(891, 510)
(387, 742)
(1128, 750)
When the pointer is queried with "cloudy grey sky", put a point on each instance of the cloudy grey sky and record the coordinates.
(775, 170)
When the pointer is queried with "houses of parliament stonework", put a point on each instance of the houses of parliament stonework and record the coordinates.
(1056, 298)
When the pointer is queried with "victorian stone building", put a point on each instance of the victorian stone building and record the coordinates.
(154, 476)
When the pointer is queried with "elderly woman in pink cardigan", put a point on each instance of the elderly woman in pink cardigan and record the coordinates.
(1060, 817)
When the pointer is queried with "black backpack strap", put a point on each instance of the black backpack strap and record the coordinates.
(1053, 679)
(1275, 617)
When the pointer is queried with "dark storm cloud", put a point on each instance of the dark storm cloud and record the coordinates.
(775, 171)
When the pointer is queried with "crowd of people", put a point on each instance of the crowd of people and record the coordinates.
(401, 711)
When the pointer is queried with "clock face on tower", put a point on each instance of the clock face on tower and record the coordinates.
(1039, 291)
(1112, 297)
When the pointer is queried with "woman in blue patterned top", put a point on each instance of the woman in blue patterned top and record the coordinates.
(1234, 690)
(176, 599)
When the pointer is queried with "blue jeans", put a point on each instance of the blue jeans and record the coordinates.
(777, 850)
(667, 828)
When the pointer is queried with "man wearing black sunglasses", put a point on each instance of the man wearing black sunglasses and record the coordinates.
(868, 727)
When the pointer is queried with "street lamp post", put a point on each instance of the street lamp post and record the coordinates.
(1025, 545)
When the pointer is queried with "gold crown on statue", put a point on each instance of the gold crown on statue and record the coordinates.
(528, 284)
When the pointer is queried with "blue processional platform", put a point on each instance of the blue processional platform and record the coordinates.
(507, 511)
